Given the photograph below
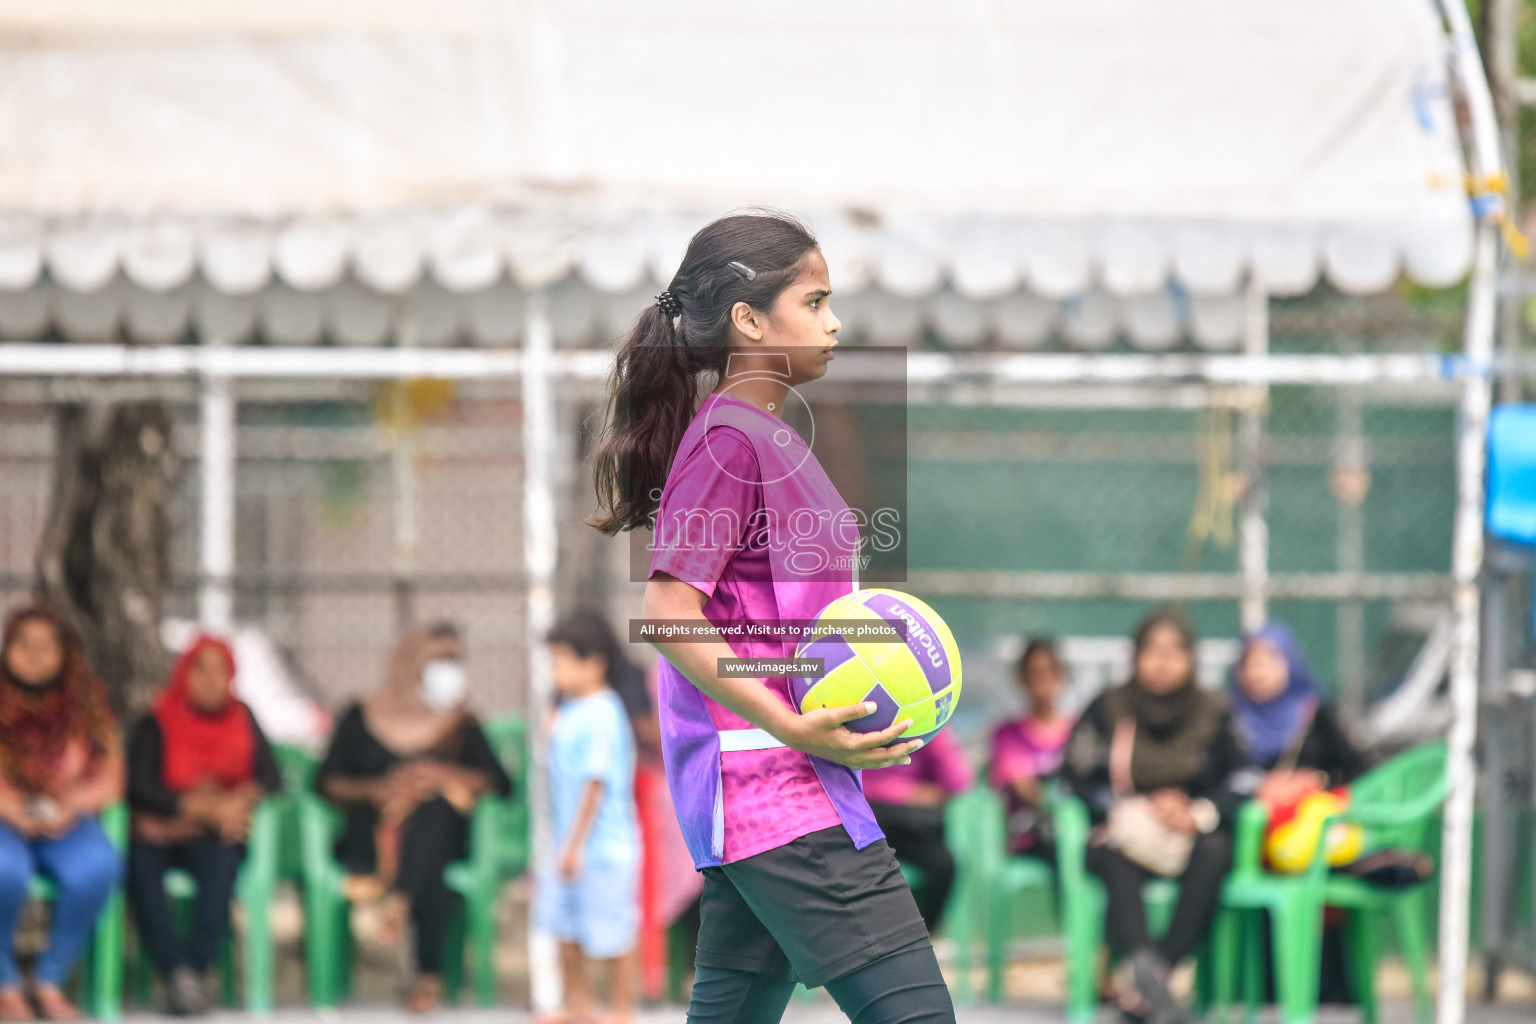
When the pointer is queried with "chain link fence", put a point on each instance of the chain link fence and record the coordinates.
(1079, 509)
(348, 527)
(1065, 510)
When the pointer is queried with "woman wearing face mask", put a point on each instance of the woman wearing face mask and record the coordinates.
(60, 764)
(406, 766)
(197, 766)
(1159, 764)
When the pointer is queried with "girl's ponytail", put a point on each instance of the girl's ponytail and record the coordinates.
(661, 366)
(646, 419)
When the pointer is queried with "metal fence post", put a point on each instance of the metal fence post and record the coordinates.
(540, 546)
(215, 598)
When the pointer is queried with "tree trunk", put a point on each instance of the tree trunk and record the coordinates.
(104, 560)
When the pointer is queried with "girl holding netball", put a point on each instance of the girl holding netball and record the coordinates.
(746, 528)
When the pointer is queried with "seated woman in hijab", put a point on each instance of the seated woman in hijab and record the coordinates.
(1295, 737)
(1291, 733)
(406, 766)
(1159, 764)
(197, 767)
(60, 764)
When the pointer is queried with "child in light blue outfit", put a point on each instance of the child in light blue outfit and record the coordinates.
(588, 894)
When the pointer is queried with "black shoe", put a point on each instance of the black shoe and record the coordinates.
(1151, 974)
(185, 995)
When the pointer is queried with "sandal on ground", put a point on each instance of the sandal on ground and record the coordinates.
(14, 1005)
(52, 1005)
(424, 994)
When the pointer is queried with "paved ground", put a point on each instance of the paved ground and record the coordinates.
(820, 1012)
(1033, 984)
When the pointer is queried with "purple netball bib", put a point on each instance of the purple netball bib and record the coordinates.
(759, 528)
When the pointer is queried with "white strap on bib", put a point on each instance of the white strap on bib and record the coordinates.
(747, 739)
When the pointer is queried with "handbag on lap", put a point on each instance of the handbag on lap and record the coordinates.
(1133, 826)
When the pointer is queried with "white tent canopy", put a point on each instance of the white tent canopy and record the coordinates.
(410, 172)
(312, 171)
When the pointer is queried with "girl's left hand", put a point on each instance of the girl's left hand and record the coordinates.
(824, 733)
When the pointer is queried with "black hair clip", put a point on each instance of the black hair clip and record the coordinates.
(745, 271)
(670, 307)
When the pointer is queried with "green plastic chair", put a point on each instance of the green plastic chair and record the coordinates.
(1083, 903)
(1000, 878)
(1295, 913)
(254, 889)
(505, 825)
(508, 736)
(328, 935)
(1396, 803)
(297, 767)
(965, 817)
(677, 962)
(478, 878)
(101, 969)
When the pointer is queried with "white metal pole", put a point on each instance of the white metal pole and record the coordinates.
(1253, 527)
(215, 599)
(1503, 26)
(1467, 549)
(1466, 562)
(539, 552)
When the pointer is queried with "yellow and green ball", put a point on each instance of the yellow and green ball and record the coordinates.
(917, 679)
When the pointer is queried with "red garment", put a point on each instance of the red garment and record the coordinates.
(53, 734)
(202, 746)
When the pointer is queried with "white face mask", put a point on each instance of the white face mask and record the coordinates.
(443, 684)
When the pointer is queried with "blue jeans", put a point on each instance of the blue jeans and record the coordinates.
(83, 865)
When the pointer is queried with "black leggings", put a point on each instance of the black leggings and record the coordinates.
(433, 837)
(1199, 896)
(904, 987)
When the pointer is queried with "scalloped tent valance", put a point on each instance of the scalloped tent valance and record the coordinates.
(465, 250)
(985, 165)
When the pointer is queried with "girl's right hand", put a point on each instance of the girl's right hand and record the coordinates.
(824, 733)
